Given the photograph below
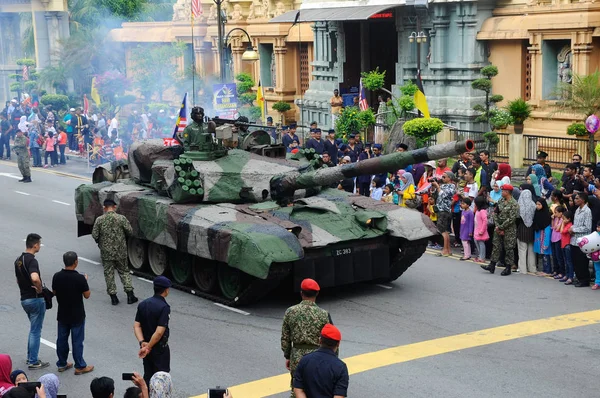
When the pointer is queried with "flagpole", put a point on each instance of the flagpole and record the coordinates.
(193, 59)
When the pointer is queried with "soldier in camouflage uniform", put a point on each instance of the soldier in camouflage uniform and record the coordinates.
(194, 136)
(110, 233)
(20, 147)
(302, 325)
(505, 231)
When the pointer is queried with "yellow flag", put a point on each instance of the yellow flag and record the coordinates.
(94, 94)
(421, 103)
(260, 101)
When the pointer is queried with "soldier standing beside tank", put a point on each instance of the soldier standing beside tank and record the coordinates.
(20, 148)
(302, 325)
(110, 232)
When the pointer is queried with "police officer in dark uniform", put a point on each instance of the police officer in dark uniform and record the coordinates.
(152, 330)
(541, 159)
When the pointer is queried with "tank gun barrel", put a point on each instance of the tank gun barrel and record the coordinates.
(237, 122)
(284, 186)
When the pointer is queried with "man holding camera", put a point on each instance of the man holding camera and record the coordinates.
(443, 191)
(302, 325)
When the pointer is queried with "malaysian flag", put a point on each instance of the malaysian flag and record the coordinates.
(196, 9)
(362, 98)
(25, 73)
(181, 122)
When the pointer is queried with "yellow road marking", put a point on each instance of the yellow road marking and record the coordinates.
(373, 360)
(55, 172)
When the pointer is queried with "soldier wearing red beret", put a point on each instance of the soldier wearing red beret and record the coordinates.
(302, 325)
(322, 374)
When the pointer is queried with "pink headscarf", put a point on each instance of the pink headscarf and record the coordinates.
(5, 369)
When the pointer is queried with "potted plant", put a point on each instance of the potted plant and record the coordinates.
(500, 119)
(282, 107)
(577, 129)
(422, 129)
(519, 110)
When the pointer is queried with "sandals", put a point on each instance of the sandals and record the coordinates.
(569, 282)
(595, 287)
(465, 258)
(443, 255)
(559, 276)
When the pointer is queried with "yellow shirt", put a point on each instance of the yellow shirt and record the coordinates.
(432, 214)
(336, 104)
(408, 194)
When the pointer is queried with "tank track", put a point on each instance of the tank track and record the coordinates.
(410, 252)
(255, 290)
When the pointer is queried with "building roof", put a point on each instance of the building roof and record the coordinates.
(357, 13)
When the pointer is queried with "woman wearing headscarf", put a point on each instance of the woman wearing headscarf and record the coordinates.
(546, 187)
(542, 221)
(525, 234)
(503, 174)
(161, 385)
(5, 368)
(533, 180)
(51, 383)
(23, 125)
(407, 192)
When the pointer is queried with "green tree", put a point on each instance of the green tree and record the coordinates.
(246, 97)
(581, 96)
(485, 84)
(155, 69)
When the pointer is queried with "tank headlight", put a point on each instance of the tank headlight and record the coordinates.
(369, 221)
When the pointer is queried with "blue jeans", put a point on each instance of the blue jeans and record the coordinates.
(597, 269)
(62, 148)
(569, 270)
(62, 344)
(37, 158)
(559, 258)
(36, 310)
(546, 263)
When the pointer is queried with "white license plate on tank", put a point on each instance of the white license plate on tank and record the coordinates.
(341, 252)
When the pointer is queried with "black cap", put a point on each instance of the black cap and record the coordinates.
(402, 145)
(331, 131)
(542, 154)
(293, 125)
(269, 119)
(162, 281)
(109, 203)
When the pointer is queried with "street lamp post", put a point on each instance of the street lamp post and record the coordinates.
(419, 37)
(248, 55)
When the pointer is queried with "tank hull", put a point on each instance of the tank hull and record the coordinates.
(334, 237)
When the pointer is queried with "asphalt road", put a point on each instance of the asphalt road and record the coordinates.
(211, 345)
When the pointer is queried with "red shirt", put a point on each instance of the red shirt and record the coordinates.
(565, 236)
(62, 138)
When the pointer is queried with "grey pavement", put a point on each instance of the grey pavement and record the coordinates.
(213, 346)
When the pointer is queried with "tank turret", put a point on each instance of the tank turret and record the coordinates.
(233, 228)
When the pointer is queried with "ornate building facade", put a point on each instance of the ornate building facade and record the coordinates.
(353, 37)
(285, 50)
(537, 44)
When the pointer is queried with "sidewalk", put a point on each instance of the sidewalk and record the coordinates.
(76, 165)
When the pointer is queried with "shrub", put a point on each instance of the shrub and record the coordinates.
(281, 106)
(247, 98)
(14, 87)
(491, 137)
(352, 119)
(154, 107)
(25, 62)
(244, 82)
(59, 102)
(30, 85)
(423, 129)
(373, 80)
(577, 129)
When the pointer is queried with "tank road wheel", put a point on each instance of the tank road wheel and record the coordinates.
(158, 258)
(181, 267)
(137, 253)
(204, 272)
(231, 281)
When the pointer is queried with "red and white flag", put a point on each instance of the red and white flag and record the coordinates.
(86, 105)
(25, 73)
(196, 8)
(362, 97)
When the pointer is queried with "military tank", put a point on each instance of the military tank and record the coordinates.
(233, 227)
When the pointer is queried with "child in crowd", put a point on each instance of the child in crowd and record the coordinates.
(555, 242)
(433, 217)
(376, 191)
(461, 180)
(49, 150)
(388, 194)
(480, 230)
(565, 240)
(542, 221)
(466, 227)
(470, 190)
(597, 265)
